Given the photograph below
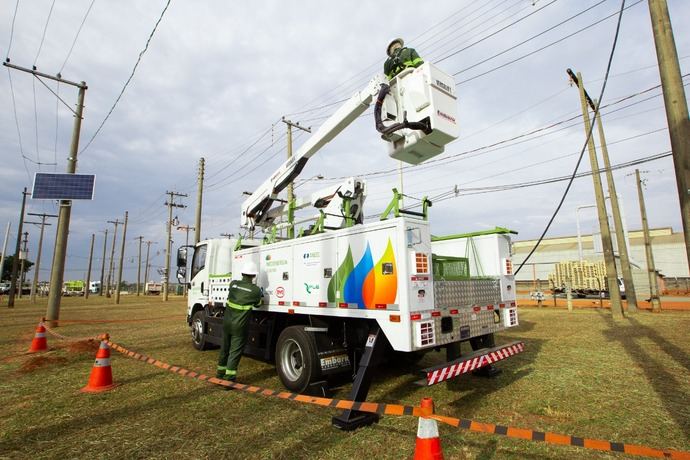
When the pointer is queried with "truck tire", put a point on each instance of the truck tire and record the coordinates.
(197, 330)
(296, 359)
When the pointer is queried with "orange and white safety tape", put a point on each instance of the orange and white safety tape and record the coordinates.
(398, 409)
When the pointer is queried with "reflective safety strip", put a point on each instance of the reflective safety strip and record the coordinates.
(413, 63)
(230, 372)
(239, 307)
(434, 376)
(40, 335)
(427, 428)
(103, 346)
(102, 362)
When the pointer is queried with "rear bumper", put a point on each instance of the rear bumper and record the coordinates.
(468, 363)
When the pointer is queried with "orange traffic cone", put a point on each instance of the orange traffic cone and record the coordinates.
(40, 342)
(101, 378)
(428, 445)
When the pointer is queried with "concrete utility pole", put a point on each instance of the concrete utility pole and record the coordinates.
(15, 259)
(170, 204)
(291, 186)
(105, 244)
(122, 260)
(676, 108)
(630, 295)
(140, 238)
(37, 268)
(610, 261)
(23, 255)
(115, 222)
(88, 272)
(186, 228)
(199, 202)
(146, 265)
(4, 249)
(651, 269)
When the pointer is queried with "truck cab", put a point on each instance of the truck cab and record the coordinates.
(210, 259)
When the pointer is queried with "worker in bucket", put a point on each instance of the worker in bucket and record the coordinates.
(243, 295)
(400, 58)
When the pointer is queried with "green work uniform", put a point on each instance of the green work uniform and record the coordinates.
(402, 59)
(242, 296)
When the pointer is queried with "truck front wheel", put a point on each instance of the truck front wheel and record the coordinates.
(296, 359)
(197, 330)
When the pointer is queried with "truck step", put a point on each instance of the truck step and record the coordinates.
(469, 363)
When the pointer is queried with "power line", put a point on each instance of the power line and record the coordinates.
(506, 64)
(74, 42)
(584, 146)
(45, 29)
(545, 31)
(495, 33)
(146, 47)
(16, 121)
(14, 17)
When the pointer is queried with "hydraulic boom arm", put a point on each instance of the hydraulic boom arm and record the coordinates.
(256, 207)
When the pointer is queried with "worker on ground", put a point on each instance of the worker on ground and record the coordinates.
(400, 58)
(243, 295)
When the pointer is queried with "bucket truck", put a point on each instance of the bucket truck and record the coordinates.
(342, 294)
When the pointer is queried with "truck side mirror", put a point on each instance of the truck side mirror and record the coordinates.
(182, 257)
(182, 274)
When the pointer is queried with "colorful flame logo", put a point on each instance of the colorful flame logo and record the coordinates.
(365, 283)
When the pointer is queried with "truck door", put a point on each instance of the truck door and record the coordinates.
(198, 293)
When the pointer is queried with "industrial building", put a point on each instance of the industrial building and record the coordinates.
(668, 248)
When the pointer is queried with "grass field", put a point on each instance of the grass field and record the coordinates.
(581, 374)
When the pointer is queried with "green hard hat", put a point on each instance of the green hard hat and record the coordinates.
(393, 42)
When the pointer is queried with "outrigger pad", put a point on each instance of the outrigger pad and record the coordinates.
(475, 361)
(350, 420)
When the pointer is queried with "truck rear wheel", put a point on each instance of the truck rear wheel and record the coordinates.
(197, 330)
(296, 359)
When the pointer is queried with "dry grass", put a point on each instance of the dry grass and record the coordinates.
(582, 374)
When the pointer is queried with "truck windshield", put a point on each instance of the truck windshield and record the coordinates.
(199, 260)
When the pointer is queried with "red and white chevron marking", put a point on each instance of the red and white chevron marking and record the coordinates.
(463, 367)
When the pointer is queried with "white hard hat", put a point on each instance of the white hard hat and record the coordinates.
(393, 42)
(249, 268)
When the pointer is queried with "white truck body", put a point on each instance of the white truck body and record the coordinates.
(380, 271)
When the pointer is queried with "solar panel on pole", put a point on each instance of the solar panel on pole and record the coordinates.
(56, 186)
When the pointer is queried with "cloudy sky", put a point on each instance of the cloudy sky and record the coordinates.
(218, 76)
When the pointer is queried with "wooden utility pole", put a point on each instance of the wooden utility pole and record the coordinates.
(146, 266)
(105, 245)
(291, 186)
(37, 268)
(115, 222)
(15, 259)
(4, 249)
(199, 202)
(122, 260)
(88, 272)
(609, 259)
(23, 255)
(140, 238)
(651, 269)
(170, 204)
(676, 108)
